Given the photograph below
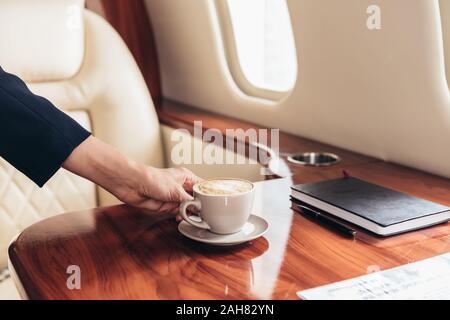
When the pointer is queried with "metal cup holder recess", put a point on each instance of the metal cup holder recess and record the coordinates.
(315, 159)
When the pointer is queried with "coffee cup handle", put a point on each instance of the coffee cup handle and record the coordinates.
(183, 208)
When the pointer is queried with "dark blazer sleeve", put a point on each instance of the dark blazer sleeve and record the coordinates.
(35, 137)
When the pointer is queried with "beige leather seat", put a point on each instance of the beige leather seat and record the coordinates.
(75, 59)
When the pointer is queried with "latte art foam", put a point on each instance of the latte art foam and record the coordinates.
(224, 187)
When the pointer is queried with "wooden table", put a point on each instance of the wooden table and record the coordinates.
(124, 253)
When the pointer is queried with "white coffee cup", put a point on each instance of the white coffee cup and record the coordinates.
(224, 211)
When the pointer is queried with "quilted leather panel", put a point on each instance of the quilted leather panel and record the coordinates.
(22, 203)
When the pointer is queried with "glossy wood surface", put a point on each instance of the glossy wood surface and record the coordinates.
(125, 253)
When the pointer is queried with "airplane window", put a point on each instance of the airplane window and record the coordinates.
(264, 43)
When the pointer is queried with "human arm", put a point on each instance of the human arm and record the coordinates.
(142, 186)
(37, 139)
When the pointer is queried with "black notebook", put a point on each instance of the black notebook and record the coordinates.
(380, 210)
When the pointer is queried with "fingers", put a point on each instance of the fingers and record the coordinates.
(190, 180)
(190, 211)
(159, 206)
(180, 194)
(169, 207)
(186, 178)
(150, 204)
(166, 189)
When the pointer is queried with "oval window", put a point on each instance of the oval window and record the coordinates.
(264, 43)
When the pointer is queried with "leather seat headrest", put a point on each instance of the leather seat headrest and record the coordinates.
(42, 40)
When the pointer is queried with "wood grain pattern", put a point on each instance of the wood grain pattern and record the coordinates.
(131, 21)
(125, 253)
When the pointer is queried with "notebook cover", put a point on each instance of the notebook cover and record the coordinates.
(375, 203)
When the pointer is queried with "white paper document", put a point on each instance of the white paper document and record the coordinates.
(427, 279)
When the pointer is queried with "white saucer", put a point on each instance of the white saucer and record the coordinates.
(254, 228)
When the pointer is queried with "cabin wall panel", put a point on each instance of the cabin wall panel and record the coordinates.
(382, 93)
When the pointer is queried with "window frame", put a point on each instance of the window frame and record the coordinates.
(234, 64)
